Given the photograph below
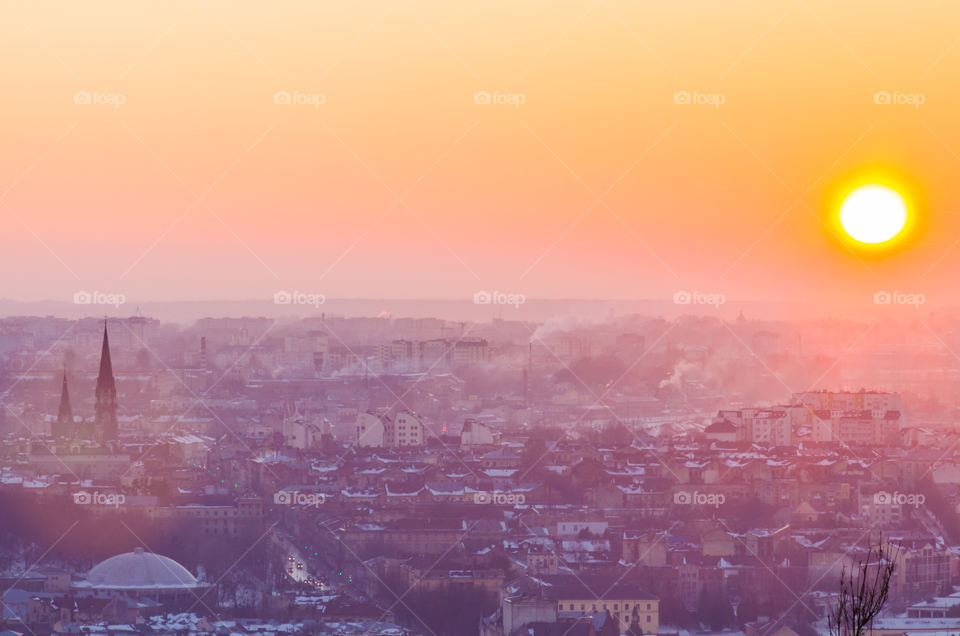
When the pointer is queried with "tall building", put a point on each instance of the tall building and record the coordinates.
(862, 417)
(65, 425)
(105, 412)
(846, 401)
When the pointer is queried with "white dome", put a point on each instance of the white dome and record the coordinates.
(140, 570)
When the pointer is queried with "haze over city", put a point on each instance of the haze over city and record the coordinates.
(423, 318)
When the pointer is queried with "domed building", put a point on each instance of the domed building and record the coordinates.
(143, 575)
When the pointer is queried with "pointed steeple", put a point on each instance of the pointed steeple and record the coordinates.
(105, 413)
(66, 411)
(64, 426)
(106, 366)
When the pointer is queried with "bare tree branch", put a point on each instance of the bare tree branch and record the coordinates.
(864, 591)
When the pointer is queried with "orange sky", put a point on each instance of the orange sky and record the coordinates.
(299, 197)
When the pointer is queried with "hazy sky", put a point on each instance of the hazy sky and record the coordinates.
(199, 185)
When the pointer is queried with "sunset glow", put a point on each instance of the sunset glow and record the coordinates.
(501, 318)
(873, 214)
(713, 134)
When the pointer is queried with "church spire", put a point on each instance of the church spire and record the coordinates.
(105, 414)
(106, 366)
(65, 423)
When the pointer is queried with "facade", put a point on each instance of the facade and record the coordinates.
(922, 569)
(721, 430)
(475, 433)
(469, 351)
(522, 610)
(301, 433)
(200, 519)
(573, 528)
(644, 549)
(218, 521)
(855, 418)
(565, 597)
(84, 461)
(405, 430)
(842, 401)
(370, 430)
(767, 427)
(406, 356)
(866, 418)
(408, 537)
(541, 560)
(431, 580)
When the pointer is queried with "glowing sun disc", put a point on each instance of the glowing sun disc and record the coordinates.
(873, 214)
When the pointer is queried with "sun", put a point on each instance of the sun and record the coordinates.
(873, 214)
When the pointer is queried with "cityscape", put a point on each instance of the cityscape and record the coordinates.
(636, 475)
(515, 318)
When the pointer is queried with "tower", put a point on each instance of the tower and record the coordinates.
(64, 426)
(105, 412)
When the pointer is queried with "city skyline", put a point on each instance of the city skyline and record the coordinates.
(432, 318)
